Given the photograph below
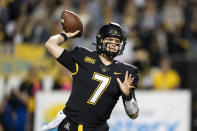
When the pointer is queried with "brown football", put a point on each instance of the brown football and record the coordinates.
(71, 22)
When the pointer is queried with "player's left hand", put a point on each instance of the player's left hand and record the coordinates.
(127, 84)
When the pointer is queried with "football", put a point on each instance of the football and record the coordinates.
(71, 22)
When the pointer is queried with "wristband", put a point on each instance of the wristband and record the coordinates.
(64, 35)
(126, 98)
(130, 96)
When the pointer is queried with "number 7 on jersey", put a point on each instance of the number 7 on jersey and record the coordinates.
(103, 84)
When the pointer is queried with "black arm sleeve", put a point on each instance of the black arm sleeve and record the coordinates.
(135, 82)
(67, 61)
(136, 77)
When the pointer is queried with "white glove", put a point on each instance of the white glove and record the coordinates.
(55, 123)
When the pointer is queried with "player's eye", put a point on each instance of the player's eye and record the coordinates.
(117, 41)
(117, 44)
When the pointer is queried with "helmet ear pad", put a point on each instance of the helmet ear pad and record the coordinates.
(99, 42)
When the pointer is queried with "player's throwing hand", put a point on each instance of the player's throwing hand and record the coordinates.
(127, 84)
(71, 35)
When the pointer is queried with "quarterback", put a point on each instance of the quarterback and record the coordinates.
(98, 80)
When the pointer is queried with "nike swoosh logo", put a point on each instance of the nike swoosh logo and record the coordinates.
(117, 73)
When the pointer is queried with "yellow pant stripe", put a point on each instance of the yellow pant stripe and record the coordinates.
(80, 127)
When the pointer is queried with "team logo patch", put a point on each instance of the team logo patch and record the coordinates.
(104, 68)
(89, 60)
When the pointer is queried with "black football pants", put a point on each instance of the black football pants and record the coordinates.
(69, 125)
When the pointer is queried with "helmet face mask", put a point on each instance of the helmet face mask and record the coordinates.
(110, 30)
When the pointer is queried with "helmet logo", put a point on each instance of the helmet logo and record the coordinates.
(115, 32)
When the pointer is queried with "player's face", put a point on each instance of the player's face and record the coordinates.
(112, 44)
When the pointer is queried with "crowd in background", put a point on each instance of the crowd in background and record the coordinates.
(160, 34)
(155, 28)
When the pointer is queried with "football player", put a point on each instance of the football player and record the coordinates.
(98, 80)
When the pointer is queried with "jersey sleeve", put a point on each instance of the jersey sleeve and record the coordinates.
(78, 54)
(136, 77)
(67, 61)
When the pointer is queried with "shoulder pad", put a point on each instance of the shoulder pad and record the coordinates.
(127, 65)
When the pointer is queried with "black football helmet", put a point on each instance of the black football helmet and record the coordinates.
(110, 30)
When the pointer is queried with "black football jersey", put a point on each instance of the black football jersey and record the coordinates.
(95, 89)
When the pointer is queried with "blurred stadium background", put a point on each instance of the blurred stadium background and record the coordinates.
(162, 42)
